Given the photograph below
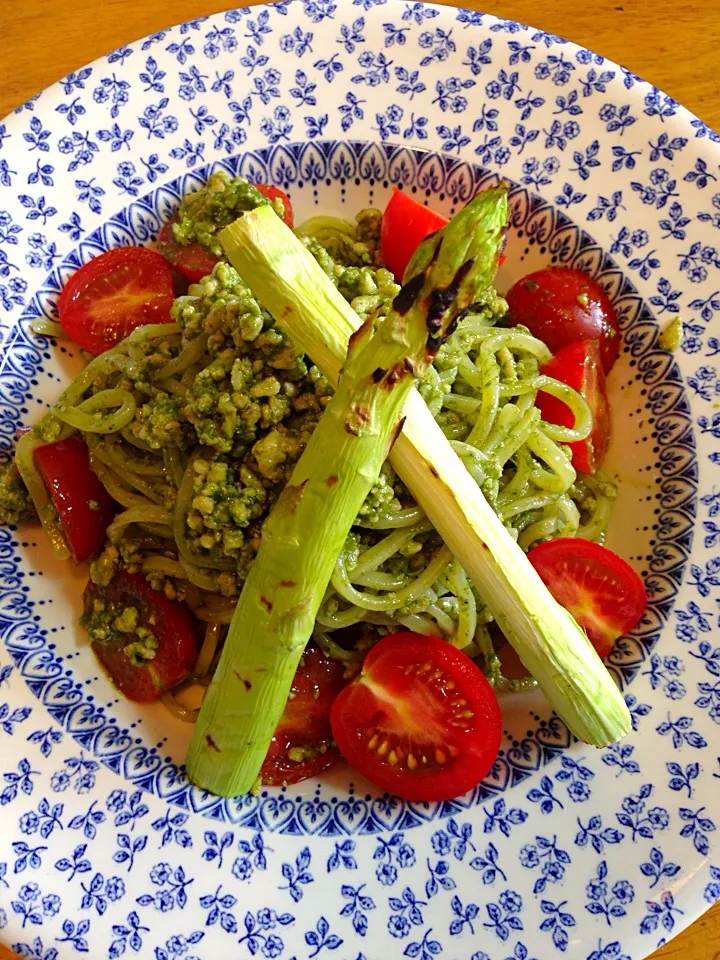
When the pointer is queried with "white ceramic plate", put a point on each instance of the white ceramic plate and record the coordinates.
(563, 850)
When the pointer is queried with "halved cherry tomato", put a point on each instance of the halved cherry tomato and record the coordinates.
(171, 624)
(580, 366)
(275, 193)
(304, 730)
(405, 224)
(421, 720)
(192, 260)
(601, 590)
(560, 306)
(108, 297)
(83, 504)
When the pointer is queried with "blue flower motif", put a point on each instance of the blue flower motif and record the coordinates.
(603, 901)
(697, 825)
(191, 153)
(441, 843)
(47, 739)
(171, 884)
(576, 777)
(256, 937)
(298, 42)
(342, 855)
(425, 949)
(20, 781)
(503, 915)
(36, 136)
(656, 867)
(596, 835)
(663, 674)
(113, 91)
(662, 913)
(172, 829)
(80, 147)
(557, 922)
(658, 104)
(376, 67)
(390, 851)
(682, 732)
(192, 83)
(398, 926)
(318, 10)
(544, 796)
(505, 86)
(33, 907)
(252, 853)
(298, 875)
(75, 81)
(278, 126)
(6, 175)
(502, 818)
(712, 890)
(178, 946)
(357, 907)
(407, 912)
(463, 916)
(546, 854)
(449, 96)
(90, 192)
(219, 907)
(387, 874)
(660, 189)
(611, 951)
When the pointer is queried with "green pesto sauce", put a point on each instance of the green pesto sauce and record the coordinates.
(48, 430)
(671, 337)
(15, 503)
(205, 212)
(109, 622)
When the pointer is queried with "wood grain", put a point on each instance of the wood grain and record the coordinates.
(671, 43)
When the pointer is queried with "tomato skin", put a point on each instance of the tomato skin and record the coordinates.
(305, 722)
(405, 224)
(175, 629)
(560, 306)
(580, 366)
(411, 701)
(192, 260)
(72, 484)
(600, 589)
(275, 193)
(113, 293)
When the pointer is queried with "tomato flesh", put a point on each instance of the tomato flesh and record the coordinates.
(192, 260)
(405, 224)
(83, 504)
(171, 623)
(304, 730)
(600, 589)
(112, 294)
(580, 366)
(275, 193)
(560, 306)
(421, 720)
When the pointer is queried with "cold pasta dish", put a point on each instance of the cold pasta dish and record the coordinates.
(334, 491)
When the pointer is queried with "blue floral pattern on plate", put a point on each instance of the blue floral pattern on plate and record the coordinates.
(337, 104)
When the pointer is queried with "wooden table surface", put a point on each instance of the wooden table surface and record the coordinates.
(671, 43)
